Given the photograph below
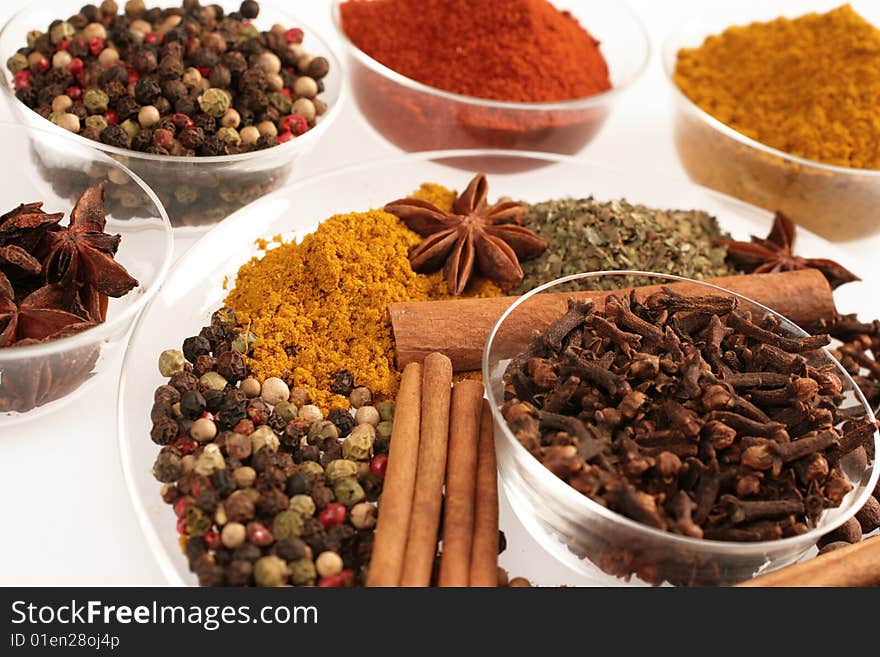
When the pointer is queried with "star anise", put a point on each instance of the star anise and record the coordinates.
(776, 253)
(39, 316)
(83, 256)
(473, 236)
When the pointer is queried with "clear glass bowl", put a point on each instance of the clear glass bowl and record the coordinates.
(587, 536)
(38, 379)
(197, 191)
(838, 203)
(414, 116)
(195, 288)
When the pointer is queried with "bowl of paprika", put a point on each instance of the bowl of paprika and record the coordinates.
(508, 74)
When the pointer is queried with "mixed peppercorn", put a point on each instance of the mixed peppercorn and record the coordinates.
(183, 81)
(266, 489)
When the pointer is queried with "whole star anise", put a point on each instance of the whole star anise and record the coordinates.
(473, 236)
(776, 253)
(39, 316)
(83, 256)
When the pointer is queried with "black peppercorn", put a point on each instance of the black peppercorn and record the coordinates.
(162, 105)
(290, 549)
(195, 547)
(332, 452)
(170, 67)
(165, 124)
(184, 381)
(297, 484)
(224, 482)
(212, 147)
(239, 572)
(205, 58)
(168, 467)
(204, 364)
(213, 399)
(249, 9)
(307, 453)
(114, 135)
(160, 409)
(27, 95)
(167, 394)
(147, 90)
(271, 477)
(272, 502)
(220, 77)
(192, 137)
(195, 346)
(231, 366)
(342, 382)
(113, 74)
(145, 61)
(126, 107)
(192, 404)
(206, 122)
(174, 89)
(164, 431)
(209, 574)
(266, 141)
(207, 500)
(247, 552)
(322, 495)
(343, 421)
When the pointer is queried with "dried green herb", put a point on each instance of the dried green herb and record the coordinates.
(588, 235)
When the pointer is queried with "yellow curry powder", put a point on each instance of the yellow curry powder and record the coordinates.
(321, 305)
(808, 86)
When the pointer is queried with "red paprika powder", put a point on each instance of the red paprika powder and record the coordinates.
(508, 50)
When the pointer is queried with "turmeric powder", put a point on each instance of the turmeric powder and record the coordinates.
(808, 86)
(321, 305)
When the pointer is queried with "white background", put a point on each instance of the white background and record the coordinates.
(65, 515)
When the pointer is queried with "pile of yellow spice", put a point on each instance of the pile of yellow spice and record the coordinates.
(809, 86)
(321, 305)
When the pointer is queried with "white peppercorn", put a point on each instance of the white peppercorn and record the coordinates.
(360, 396)
(203, 430)
(61, 103)
(108, 56)
(233, 534)
(269, 62)
(274, 390)
(244, 476)
(304, 108)
(61, 59)
(148, 116)
(249, 135)
(363, 515)
(250, 387)
(367, 415)
(231, 119)
(267, 128)
(310, 413)
(328, 564)
(305, 87)
(68, 121)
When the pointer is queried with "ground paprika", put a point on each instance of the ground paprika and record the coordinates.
(509, 50)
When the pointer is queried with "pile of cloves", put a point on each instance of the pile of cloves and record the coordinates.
(688, 414)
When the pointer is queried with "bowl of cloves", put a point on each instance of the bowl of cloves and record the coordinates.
(658, 430)
(73, 275)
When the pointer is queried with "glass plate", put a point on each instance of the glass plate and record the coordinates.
(195, 288)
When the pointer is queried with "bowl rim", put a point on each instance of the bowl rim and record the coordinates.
(583, 504)
(572, 104)
(669, 55)
(287, 148)
(100, 331)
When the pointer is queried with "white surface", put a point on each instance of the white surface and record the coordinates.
(67, 518)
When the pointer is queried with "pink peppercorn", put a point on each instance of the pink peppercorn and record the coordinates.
(295, 124)
(207, 416)
(345, 578)
(133, 75)
(294, 35)
(64, 44)
(259, 535)
(332, 514)
(185, 444)
(284, 137)
(22, 79)
(181, 525)
(212, 539)
(379, 464)
(43, 65)
(76, 66)
(111, 117)
(245, 427)
(181, 121)
(182, 505)
(75, 93)
(96, 45)
(151, 37)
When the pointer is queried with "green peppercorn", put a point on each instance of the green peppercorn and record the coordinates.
(264, 437)
(384, 429)
(197, 523)
(311, 468)
(171, 361)
(348, 492)
(186, 194)
(323, 432)
(131, 127)
(229, 135)
(302, 572)
(270, 571)
(243, 342)
(285, 410)
(61, 31)
(16, 63)
(286, 524)
(280, 102)
(340, 469)
(386, 411)
(96, 122)
(209, 460)
(214, 101)
(359, 445)
(304, 505)
(212, 381)
(96, 101)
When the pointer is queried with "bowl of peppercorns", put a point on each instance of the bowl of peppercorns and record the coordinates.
(211, 105)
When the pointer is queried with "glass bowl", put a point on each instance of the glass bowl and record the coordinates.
(591, 538)
(195, 288)
(838, 203)
(38, 379)
(414, 116)
(196, 191)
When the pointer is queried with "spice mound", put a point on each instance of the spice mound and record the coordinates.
(808, 86)
(508, 50)
(181, 81)
(687, 414)
(588, 235)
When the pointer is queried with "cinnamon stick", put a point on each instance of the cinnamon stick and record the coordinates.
(461, 480)
(421, 544)
(461, 327)
(484, 552)
(855, 565)
(395, 505)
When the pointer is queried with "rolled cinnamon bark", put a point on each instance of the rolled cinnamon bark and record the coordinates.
(460, 328)
(484, 551)
(421, 545)
(395, 505)
(461, 480)
(856, 565)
